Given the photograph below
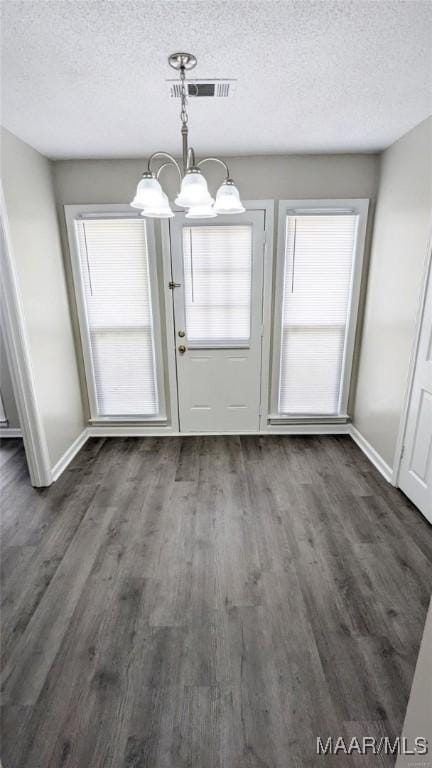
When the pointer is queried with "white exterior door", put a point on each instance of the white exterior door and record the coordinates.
(218, 266)
(415, 477)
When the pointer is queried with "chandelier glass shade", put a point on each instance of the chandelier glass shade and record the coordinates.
(148, 194)
(193, 190)
(194, 194)
(201, 212)
(159, 209)
(228, 199)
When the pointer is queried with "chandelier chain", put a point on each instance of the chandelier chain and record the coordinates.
(194, 194)
(183, 112)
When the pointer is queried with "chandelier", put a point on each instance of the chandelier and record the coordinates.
(194, 194)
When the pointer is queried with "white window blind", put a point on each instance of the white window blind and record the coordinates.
(217, 263)
(319, 255)
(115, 276)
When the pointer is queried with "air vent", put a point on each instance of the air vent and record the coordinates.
(211, 89)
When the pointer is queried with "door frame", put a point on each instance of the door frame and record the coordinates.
(427, 276)
(267, 206)
(19, 360)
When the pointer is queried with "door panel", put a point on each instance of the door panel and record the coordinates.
(218, 319)
(415, 477)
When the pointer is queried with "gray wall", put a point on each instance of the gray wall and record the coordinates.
(259, 177)
(400, 241)
(6, 389)
(273, 176)
(37, 256)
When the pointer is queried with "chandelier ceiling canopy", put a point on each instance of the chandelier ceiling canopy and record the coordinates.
(194, 194)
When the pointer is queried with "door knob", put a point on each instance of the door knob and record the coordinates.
(182, 349)
(182, 334)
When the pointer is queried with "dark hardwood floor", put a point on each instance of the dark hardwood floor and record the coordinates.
(207, 602)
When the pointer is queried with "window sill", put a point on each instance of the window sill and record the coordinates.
(138, 420)
(275, 418)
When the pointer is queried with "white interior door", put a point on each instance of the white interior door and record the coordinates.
(415, 477)
(218, 266)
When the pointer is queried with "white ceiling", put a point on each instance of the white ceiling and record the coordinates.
(86, 78)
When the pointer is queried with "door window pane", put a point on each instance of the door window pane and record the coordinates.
(217, 264)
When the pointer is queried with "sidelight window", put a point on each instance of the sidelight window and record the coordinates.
(318, 306)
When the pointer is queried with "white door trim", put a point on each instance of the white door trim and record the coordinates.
(167, 298)
(412, 364)
(19, 361)
(233, 401)
(267, 205)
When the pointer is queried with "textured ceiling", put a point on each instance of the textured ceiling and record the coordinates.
(87, 78)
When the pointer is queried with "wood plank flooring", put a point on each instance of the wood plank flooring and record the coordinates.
(207, 602)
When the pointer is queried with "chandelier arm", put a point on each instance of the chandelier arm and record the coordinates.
(163, 154)
(215, 160)
(166, 165)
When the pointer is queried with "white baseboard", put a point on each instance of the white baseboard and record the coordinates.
(10, 432)
(136, 431)
(68, 455)
(295, 429)
(372, 454)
